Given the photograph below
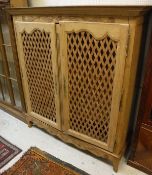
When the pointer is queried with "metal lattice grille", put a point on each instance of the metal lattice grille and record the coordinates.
(91, 65)
(38, 64)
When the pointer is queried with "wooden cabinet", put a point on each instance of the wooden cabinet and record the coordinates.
(78, 68)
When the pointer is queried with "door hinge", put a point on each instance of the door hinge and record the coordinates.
(127, 44)
(120, 104)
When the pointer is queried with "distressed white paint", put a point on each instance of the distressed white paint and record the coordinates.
(38, 3)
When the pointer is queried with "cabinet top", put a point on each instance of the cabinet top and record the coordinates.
(81, 10)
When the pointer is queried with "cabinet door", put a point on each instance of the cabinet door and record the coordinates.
(93, 62)
(36, 43)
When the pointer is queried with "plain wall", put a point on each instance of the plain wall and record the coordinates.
(36, 3)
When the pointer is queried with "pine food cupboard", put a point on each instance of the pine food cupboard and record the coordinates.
(78, 68)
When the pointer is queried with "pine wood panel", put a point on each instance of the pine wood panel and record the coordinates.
(93, 62)
(36, 44)
(83, 11)
(19, 3)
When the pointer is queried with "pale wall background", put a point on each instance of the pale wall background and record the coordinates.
(36, 3)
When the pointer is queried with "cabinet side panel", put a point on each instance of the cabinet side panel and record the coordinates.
(129, 83)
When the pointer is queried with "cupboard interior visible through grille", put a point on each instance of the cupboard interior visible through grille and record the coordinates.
(91, 71)
(38, 65)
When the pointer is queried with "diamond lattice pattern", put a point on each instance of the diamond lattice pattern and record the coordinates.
(91, 65)
(38, 64)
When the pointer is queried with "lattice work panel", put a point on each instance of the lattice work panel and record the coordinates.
(38, 64)
(91, 65)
